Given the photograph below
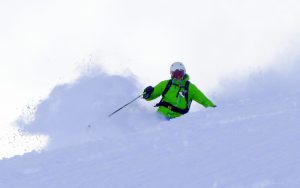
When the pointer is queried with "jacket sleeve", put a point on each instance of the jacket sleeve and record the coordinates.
(158, 90)
(199, 97)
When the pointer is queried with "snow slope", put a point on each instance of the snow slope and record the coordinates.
(250, 141)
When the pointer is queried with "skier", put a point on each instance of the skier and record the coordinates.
(177, 93)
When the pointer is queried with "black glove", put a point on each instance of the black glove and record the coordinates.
(147, 92)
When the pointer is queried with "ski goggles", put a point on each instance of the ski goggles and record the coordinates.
(178, 74)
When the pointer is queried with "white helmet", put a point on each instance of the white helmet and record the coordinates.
(177, 70)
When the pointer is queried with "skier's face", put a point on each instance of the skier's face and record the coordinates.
(178, 74)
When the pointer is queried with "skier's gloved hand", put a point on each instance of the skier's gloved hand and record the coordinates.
(214, 106)
(147, 92)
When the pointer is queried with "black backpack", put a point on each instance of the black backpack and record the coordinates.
(172, 107)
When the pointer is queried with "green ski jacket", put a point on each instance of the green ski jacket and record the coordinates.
(176, 99)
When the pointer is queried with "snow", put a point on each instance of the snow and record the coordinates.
(251, 140)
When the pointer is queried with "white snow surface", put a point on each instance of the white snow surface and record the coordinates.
(251, 140)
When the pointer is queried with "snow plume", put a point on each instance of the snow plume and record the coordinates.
(274, 92)
(266, 87)
(78, 112)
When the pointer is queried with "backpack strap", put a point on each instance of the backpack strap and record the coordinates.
(169, 84)
(186, 94)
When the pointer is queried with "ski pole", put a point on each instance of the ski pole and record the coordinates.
(125, 105)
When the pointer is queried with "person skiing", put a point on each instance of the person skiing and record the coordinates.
(177, 93)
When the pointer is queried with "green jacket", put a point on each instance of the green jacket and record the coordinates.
(194, 94)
